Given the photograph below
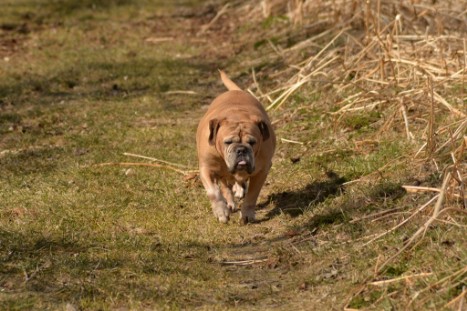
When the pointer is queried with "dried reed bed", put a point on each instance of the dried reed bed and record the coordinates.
(404, 58)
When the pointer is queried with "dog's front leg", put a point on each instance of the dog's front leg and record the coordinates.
(239, 189)
(254, 187)
(218, 203)
(228, 195)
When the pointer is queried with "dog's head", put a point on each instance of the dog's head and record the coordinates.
(238, 142)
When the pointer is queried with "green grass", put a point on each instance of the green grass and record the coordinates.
(81, 85)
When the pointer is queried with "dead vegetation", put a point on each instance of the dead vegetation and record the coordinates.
(404, 59)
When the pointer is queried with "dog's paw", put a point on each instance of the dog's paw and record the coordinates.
(221, 212)
(239, 190)
(233, 208)
(247, 215)
(223, 219)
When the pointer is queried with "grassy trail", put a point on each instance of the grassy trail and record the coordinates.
(84, 84)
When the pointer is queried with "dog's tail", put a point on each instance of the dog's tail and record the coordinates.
(229, 84)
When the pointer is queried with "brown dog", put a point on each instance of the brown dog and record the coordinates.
(235, 143)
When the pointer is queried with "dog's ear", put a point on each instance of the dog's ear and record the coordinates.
(264, 129)
(213, 128)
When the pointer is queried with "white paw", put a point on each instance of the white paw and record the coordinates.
(232, 207)
(239, 191)
(221, 211)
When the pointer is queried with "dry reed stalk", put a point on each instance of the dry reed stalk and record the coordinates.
(310, 41)
(366, 107)
(307, 63)
(450, 277)
(221, 12)
(377, 214)
(431, 122)
(457, 135)
(444, 102)
(416, 212)
(403, 109)
(348, 105)
(262, 95)
(300, 78)
(389, 215)
(421, 231)
(459, 299)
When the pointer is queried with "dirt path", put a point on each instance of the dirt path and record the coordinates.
(84, 85)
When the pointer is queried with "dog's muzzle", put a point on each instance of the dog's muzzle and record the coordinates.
(240, 159)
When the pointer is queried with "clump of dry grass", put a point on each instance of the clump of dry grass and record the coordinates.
(406, 59)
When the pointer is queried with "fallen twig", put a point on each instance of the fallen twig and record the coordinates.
(156, 160)
(420, 189)
(181, 92)
(402, 278)
(145, 164)
(291, 141)
(244, 262)
(158, 39)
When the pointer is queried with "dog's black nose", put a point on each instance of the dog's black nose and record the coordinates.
(241, 151)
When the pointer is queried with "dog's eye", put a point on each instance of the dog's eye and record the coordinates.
(228, 142)
(252, 142)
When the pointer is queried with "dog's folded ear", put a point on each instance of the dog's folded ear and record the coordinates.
(264, 129)
(214, 125)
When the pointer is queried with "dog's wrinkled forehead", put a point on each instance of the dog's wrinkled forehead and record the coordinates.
(242, 130)
(239, 129)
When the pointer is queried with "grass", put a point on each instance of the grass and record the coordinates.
(86, 81)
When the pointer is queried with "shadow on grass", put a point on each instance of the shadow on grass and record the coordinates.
(80, 270)
(380, 196)
(294, 203)
(104, 81)
(71, 7)
(24, 162)
(40, 11)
